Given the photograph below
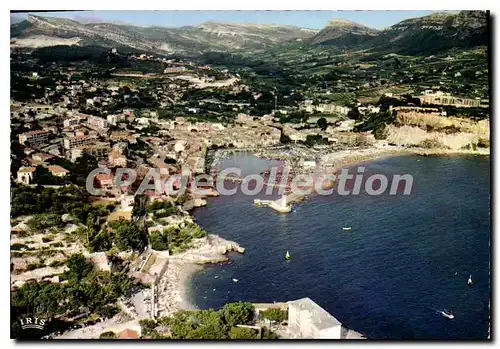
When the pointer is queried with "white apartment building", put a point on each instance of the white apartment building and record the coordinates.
(97, 122)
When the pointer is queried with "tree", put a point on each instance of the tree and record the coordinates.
(79, 267)
(108, 335)
(159, 241)
(276, 315)
(240, 313)
(242, 333)
(380, 132)
(147, 326)
(43, 176)
(268, 334)
(127, 235)
(322, 123)
(354, 114)
(483, 143)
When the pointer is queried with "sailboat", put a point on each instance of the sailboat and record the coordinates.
(469, 282)
(287, 255)
(345, 227)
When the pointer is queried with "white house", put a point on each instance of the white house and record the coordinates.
(307, 320)
(25, 174)
(309, 163)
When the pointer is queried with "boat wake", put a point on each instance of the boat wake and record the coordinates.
(446, 313)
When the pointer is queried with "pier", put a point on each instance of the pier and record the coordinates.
(279, 205)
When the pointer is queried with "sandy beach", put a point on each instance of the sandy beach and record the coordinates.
(173, 285)
(343, 159)
(173, 288)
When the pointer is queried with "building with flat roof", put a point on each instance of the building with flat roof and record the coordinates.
(97, 122)
(78, 141)
(98, 150)
(307, 320)
(441, 98)
(73, 121)
(34, 138)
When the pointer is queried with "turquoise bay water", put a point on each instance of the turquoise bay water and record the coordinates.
(405, 258)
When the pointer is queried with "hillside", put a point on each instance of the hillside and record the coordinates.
(424, 35)
(35, 31)
(344, 33)
(435, 33)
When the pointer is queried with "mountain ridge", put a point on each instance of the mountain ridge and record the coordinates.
(165, 40)
(428, 34)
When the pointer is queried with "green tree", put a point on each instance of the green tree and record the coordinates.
(276, 315)
(79, 267)
(242, 333)
(268, 334)
(43, 176)
(159, 241)
(108, 335)
(127, 235)
(322, 123)
(147, 326)
(240, 313)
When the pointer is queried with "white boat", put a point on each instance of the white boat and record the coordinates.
(287, 255)
(235, 280)
(447, 314)
(345, 227)
(469, 282)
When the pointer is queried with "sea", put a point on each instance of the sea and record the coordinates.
(405, 259)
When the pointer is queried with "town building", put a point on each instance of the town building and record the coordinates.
(307, 320)
(171, 70)
(97, 122)
(368, 109)
(441, 98)
(26, 174)
(115, 118)
(57, 171)
(98, 150)
(73, 121)
(105, 180)
(34, 138)
(41, 157)
(78, 141)
(331, 108)
(117, 159)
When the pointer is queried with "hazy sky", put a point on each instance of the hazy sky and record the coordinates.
(308, 19)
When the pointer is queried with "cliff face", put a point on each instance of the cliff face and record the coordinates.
(438, 132)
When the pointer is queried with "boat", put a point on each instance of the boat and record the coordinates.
(345, 227)
(447, 314)
(469, 282)
(235, 280)
(287, 255)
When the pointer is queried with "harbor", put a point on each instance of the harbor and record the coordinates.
(387, 264)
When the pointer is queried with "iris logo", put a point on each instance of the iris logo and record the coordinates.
(32, 322)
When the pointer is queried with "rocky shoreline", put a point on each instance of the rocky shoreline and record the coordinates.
(173, 285)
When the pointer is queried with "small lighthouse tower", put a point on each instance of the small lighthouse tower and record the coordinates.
(283, 201)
